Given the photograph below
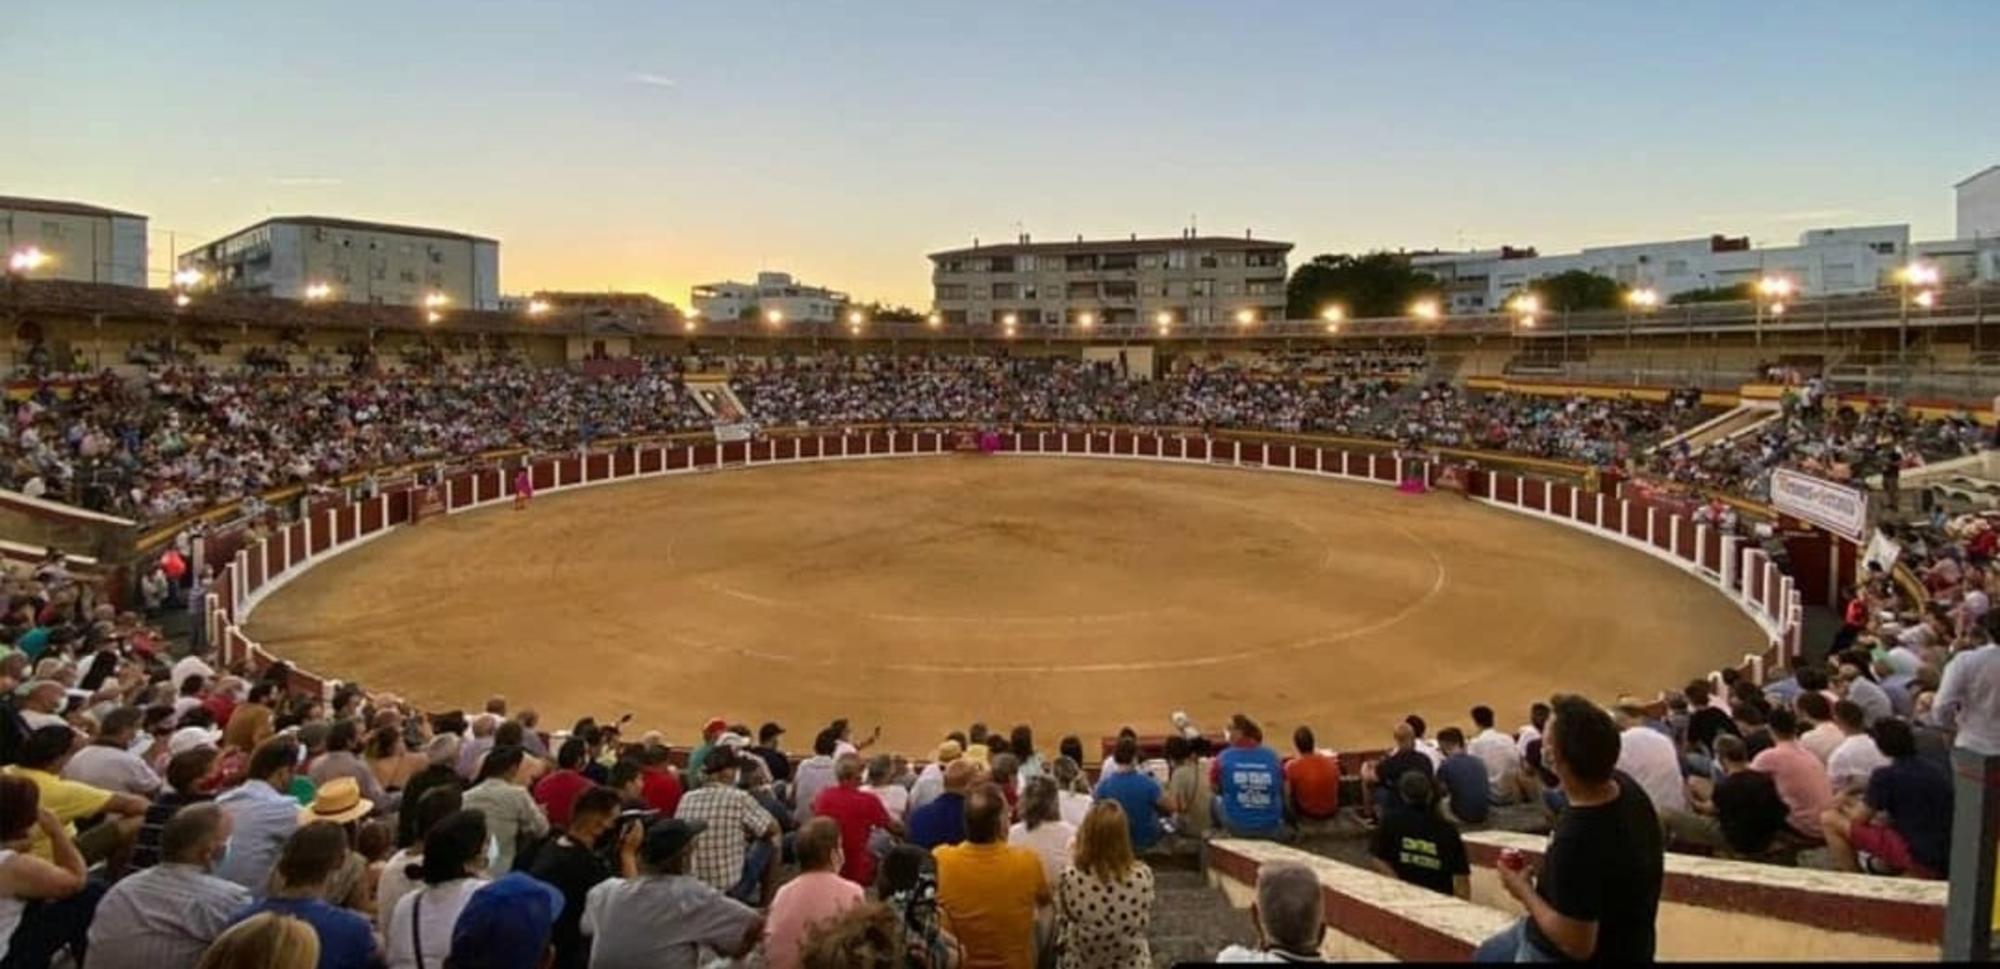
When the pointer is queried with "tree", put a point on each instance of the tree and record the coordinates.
(1375, 284)
(1577, 290)
(890, 313)
(1741, 292)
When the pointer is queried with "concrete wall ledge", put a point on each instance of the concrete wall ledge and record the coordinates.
(1368, 916)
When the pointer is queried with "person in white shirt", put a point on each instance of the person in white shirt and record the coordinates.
(1825, 735)
(1850, 764)
(436, 804)
(930, 781)
(1073, 798)
(1042, 829)
(456, 853)
(895, 797)
(1497, 751)
(1649, 757)
(1968, 697)
(42, 704)
(1425, 745)
(1538, 720)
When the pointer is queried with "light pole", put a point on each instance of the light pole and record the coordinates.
(1645, 299)
(1920, 278)
(1772, 291)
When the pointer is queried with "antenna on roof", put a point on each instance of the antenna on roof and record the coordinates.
(1194, 226)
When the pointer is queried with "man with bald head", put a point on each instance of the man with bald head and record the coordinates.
(942, 821)
(1381, 776)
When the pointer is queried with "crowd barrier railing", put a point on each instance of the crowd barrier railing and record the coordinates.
(1741, 572)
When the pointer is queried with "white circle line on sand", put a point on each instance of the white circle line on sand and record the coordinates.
(1439, 582)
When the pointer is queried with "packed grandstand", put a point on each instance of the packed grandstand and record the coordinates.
(169, 801)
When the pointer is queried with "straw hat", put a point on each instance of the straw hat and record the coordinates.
(339, 800)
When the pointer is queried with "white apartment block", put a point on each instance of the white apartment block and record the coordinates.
(358, 262)
(1825, 262)
(1192, 279)
(80, 243)
(779, 293)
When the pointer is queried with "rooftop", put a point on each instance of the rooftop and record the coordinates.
(61, 207)
(360, 225)
(1161, 244)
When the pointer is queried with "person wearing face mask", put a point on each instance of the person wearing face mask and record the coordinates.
(165, 916)
(818, 893)
(458, 852)
(574, 863)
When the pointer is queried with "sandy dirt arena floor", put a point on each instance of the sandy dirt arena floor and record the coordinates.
(1075, 595)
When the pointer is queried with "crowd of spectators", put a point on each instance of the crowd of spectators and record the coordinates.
(180, 439)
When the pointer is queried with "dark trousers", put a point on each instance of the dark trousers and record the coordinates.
(51, 926)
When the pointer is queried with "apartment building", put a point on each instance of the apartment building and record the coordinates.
(356, 261)
(1825, 262)
(1192, 279)
(78, 242)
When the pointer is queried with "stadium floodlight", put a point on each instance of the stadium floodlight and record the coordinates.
(1777, 309)
(1164, 319)
(321, 291)
(1644, 298)
(182, 299)
(27, 259)
(775, 317)
(1086, 319)
(1526, 304)
(1424, 309)
(1333, 327)
(539, 307)
(1926, 299)
(188, 278)
(1246, 316)
(1775, 287)
(433, 316)
(935, 320)
(1009, 320)
(1919, 274)
(435, 300)
(855, 318)
(1333, 314)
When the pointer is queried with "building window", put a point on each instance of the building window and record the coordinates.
(1263, 259)
(1005, 290)
(951, 291)
(1207, 260)
(1177, 258)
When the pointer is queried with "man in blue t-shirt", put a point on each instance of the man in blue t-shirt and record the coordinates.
(1139, 795)
(1249, 783)
(311, 857)
(1463, 777)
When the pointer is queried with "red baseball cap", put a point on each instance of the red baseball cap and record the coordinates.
(714, 725)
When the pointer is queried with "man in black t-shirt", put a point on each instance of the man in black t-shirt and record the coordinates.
(1740, 815)
(1381, 776)
(1418, 846)
(568, 861)
(1705, 720)
(1597, 892)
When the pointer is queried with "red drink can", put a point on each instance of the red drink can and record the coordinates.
(1512, 859)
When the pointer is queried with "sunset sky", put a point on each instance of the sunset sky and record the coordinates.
(654, 145)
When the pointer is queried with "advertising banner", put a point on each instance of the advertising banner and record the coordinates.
(1838, 508)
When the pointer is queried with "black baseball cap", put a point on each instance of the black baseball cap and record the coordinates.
(667, 838)
(767, 731)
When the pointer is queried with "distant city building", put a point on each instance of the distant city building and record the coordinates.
(794, 301)
(1979, 205)
(359, 262)
(83, 243)
(1825, 262)
(1194, 279)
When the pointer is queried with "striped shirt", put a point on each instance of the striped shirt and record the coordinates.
(164, 916)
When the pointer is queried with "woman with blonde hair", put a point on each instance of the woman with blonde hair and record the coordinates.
(264, 941)
(1104, 905)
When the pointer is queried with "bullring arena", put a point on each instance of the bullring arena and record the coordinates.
(1079, 595)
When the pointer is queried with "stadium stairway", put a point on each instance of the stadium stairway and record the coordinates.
(1192, 919)
(1739, 420)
